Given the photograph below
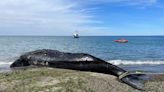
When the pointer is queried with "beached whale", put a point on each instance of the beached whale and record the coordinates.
(76, 61)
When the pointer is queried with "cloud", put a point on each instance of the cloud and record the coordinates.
(53, 16)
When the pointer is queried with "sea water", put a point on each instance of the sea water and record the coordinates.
(143, 53)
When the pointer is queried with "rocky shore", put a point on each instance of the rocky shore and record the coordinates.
(62, 80)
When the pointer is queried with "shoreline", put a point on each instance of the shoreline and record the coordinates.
(56, 80)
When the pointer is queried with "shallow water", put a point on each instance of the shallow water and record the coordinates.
(145, 53)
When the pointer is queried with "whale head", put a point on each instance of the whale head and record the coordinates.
(20, 63)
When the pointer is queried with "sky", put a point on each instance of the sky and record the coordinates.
(88, 17)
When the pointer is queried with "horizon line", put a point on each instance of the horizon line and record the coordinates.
(80, 35)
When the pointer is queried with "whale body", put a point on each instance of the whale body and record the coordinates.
(74, 61)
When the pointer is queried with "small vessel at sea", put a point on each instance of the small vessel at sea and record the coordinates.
(76, 35)
(122, 40)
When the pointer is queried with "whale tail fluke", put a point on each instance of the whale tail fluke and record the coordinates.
(135, 80)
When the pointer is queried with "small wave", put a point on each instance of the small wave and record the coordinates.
(5, 63)
(124, 62)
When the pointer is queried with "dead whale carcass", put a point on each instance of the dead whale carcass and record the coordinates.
(77, 61)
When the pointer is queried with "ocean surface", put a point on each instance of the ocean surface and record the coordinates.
(144, 53)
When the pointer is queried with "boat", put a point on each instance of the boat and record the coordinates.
(76, 35)
(121, 40)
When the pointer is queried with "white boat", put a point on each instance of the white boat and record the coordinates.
(76, 35)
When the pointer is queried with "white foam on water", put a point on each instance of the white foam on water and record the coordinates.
(5, 63)
(5, 66)
(126, 62)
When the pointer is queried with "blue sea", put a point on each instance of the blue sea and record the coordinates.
(144, 53)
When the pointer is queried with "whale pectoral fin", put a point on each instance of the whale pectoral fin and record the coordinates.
(135, 80)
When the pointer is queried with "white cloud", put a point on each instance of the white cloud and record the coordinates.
(48, 15)
(54, 17)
